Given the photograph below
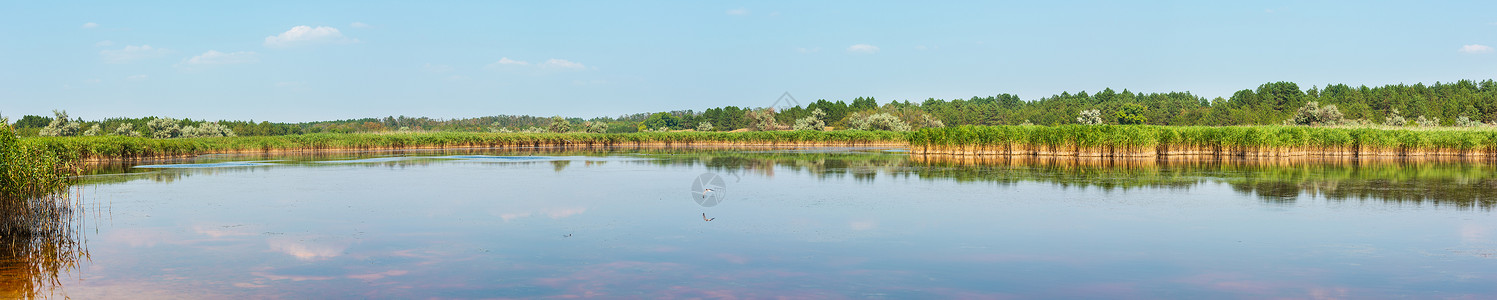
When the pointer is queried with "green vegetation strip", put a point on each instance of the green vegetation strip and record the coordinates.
(1249, 141)
(120, 147)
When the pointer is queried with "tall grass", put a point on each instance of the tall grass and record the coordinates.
(1241, 141)
(118, 147)
(28, 176)
(38, 224)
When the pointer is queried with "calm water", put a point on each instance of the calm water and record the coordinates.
(819, 223)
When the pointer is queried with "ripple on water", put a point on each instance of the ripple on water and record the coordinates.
(373, 160)
(231, 164)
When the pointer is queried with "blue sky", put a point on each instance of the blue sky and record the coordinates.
(294, 61)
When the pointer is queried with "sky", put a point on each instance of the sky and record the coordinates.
(298, 61)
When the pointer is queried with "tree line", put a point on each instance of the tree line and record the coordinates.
(1444, 104)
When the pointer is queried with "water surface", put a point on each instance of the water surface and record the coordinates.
(808, 223)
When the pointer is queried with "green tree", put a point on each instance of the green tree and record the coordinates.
(660, 121)
(1131, 114)
(559, 125)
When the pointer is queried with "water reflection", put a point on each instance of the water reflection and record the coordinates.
(824, 223)
(1456, 184)
(39, 244)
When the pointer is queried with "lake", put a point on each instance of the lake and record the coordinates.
(799, 223)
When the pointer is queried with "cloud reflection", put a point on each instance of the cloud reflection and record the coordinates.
(553, 213)
(305, 251)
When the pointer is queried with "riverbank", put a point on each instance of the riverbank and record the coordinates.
(1203, 141)
(108, 148)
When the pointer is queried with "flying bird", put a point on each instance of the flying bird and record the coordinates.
(704, 218)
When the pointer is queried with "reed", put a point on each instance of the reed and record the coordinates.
(118, 147)
(1177, 141)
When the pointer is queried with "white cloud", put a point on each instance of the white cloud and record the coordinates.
(738, 12)
(137, 77)
(505, 61)
(104, 43)
(862, 48)
(307, 35)
(1473, 49)
(132, 53)
(358, 25)
(436, 68)
(219, 58)
(554, 63)
(562, 63)
(90, 25)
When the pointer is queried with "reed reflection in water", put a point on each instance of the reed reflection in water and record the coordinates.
(40, 244)
(818, 224)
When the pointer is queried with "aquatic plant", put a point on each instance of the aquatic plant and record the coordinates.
(122, 147)
(1249, 141)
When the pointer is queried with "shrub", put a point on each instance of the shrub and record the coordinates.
(594, 127)
(1395, 119)
(126, 129)
(1312, 114)
(1427, 122)
(813, 122)
(208, 130)
(1464, 121)
(92, 130)
(1090, 117)
(61, 126)
(763, 119)
(704, 126)
(164, 128)
(877, 121)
